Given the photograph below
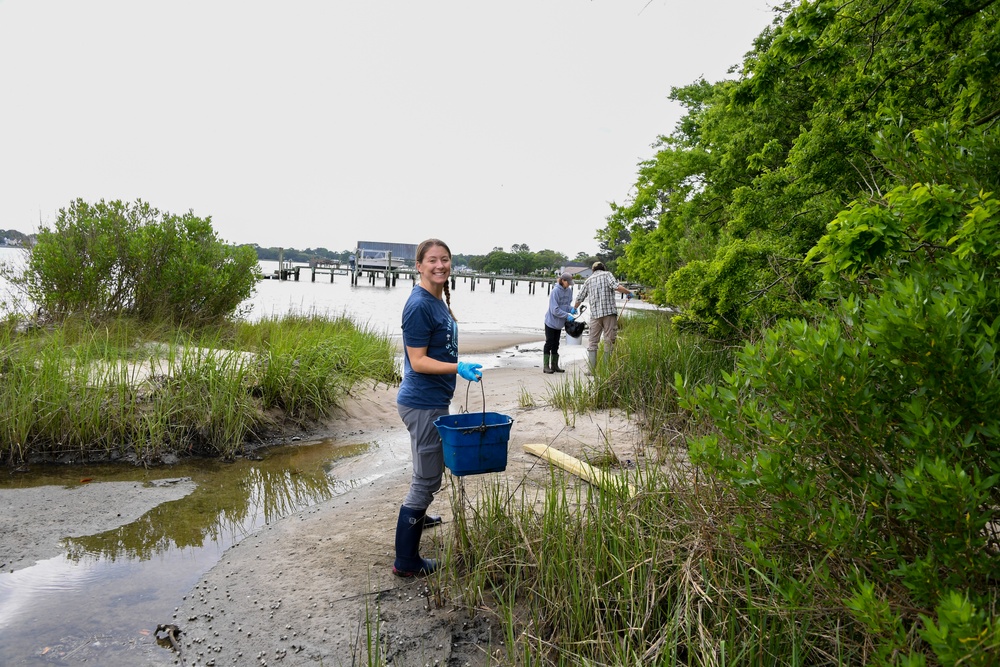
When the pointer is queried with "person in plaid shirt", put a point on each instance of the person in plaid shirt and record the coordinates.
(599, 291)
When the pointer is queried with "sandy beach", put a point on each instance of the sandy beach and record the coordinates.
(305, 590)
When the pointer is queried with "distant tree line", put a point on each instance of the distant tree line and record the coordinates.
(307, 255)
(17, 237)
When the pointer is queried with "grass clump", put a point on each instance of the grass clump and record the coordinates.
(96, 390)
(640, 375)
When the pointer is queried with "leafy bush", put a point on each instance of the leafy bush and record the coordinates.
(112, 259)
(872, 434)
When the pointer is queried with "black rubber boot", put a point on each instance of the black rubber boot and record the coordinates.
(431, 520)
(546, 360)
(409, 526)
(555, 364)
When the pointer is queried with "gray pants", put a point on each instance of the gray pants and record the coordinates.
(427, 454)
(607, 325)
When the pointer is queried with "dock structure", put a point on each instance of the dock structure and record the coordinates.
(389, 277)
(386, 263)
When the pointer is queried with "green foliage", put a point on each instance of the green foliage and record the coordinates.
(312, 361)
(765, 162)
(273, 253)
(963, 634)
(521, 260)
(129, 259)
(871, 433)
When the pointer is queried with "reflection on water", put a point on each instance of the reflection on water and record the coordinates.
(112, 589)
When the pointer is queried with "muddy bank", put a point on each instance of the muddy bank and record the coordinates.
(33, 521)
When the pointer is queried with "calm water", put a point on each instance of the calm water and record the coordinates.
(380, 307)
(100, 601)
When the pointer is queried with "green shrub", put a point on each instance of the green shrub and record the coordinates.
(128, 259)
(872, 434)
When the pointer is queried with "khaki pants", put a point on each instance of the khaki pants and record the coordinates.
(608, 326)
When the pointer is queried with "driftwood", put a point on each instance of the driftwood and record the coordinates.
(584, 471)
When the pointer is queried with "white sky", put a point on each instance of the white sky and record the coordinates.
(320, 123)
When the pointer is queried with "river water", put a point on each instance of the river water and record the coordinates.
(379, 307)
(98, 601)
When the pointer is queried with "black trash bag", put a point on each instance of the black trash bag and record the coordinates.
(576, 327)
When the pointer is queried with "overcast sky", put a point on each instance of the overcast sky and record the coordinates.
(320, 123)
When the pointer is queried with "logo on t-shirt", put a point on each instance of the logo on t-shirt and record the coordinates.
(452, 345)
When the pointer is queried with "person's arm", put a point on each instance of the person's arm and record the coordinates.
(556, 308)
(421, 363)
(583, 294)
(624, 290)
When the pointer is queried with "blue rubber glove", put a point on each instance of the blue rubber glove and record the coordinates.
(628, 296)
(470, 372)
(570, 318)
(573, 311)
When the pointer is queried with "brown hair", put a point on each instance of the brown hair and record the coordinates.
(422, 250)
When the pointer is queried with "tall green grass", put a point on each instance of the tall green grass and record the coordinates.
(639, 375)
(591, 577)
(110, 389)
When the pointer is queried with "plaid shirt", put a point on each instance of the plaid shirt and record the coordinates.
(599, 292)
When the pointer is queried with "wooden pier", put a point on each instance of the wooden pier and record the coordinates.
(389, 274)
(389, 277)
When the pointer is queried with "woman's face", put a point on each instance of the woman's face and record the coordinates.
(435, 267)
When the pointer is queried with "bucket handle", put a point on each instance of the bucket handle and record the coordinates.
(465, 408)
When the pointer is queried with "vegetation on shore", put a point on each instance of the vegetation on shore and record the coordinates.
(121, 389)
(135, 351)
(826, 407)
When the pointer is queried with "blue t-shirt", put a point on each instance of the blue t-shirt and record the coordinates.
(427, 323)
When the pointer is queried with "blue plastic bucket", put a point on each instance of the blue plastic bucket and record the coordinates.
(474, 442)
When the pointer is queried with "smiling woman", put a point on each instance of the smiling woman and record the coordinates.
(430, 364)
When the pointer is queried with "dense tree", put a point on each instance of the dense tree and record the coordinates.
(723, 214)
(869, 432)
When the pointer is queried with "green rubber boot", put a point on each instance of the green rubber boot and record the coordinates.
(555, 364)
(546, 360)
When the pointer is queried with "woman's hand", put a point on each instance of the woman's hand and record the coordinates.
(470, 372)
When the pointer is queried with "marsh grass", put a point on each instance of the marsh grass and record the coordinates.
(641, 373)
(524, 398)
(583, 576)
(112, 389)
